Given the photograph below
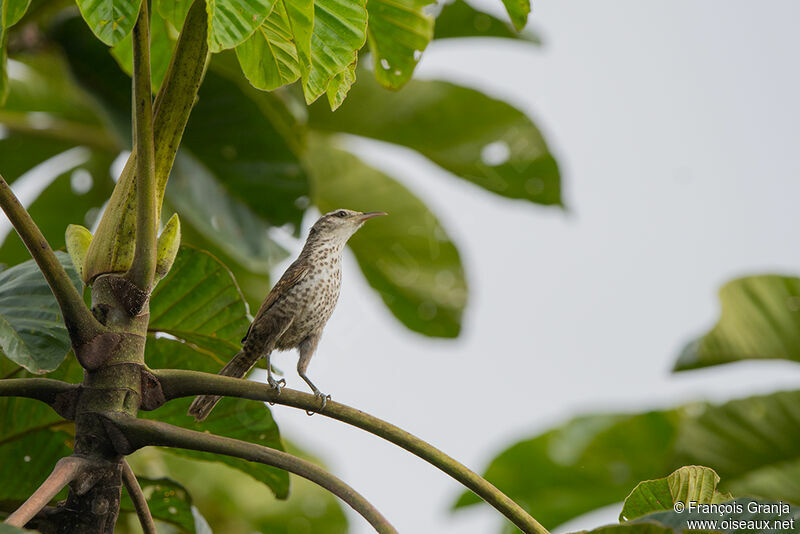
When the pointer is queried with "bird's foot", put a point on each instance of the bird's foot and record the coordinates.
(323, 398)
(276, 384)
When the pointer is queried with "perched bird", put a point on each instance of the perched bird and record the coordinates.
(297, 308)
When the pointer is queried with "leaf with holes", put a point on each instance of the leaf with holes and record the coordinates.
(760, 319)
(407, 257)
(32, 331)
(110, 20)
(398, 32)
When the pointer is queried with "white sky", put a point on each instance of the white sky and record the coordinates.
(675, 124)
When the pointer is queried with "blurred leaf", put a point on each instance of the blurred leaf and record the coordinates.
(340, 30)
(589, 462)
(460, 19)
(10, 13)
(408, 257)
(168, 501)
(32, 333)
(174, 10)
(518, 11)
(760, 319)
(8, 529)
(234, 418)
(161, 47)
(199, 302)
(110, 20)
(746, 521)
(231, 132)
(231, 22)
(398, 32)
(483, 140)
(688, 484)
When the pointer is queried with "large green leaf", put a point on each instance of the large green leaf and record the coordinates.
(234, 418)
(398, 33)
(760, 319)
(272, 56)
(685, 485)
(587, 463)
(460, 19)
(340, 30)
(199, 303)
(231, 22)
(407, 257)
(167, 500)
(32, 332)
(174, 10)
(110, 20)
(483, 140)
(518, 11)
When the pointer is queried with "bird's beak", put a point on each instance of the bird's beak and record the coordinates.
(371, 215)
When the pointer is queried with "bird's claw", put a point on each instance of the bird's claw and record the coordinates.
(323, 397)
(276, 384)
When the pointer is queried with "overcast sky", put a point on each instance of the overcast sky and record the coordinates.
(675, 124)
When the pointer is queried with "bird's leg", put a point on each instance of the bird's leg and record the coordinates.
(307, 348)
(274, 384)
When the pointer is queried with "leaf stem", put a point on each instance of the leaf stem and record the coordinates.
(41, 389)
(66, 470)
(137, 496)
(181, 383)
(140, 433)
(143, 267)
(81, 324)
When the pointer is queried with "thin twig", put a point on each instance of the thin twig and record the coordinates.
(180, 383)
(140, 433)
(65, 471)
(137, 496)
(143, 266)
(80, 323)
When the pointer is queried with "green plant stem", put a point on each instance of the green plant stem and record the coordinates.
(143, 267)
(81, 324)
(41, 389)
(137, 496)
(138, 433)
(66, 470)
(180, 383)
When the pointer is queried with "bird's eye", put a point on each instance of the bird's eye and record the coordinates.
(341, 213)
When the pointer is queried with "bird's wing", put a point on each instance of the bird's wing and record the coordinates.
(296, 272)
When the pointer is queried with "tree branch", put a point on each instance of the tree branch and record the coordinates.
(130, 434)
(143, 266)
(180, 383)
(137, 496)
(66, 470)
(42, 389)
(80, 323)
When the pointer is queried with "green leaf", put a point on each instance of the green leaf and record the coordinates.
(174, 10)
(746, 518)
(685, 485)
(161, 46)
(199, 303)
(11, 11)
(760, 319)
(8, 529)
(340, 85)
(483, 140)
(231, 22)
(587, 463)
(110, 20)
(518, 11)
(407, 257)
(460, 19)
(234, 418)
(168, 502)
(398, 33)
(32, 332)
(232, 132)
(168, 244)
(269, 58)
(340, 30)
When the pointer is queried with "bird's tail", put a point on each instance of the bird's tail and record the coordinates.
(238, 367)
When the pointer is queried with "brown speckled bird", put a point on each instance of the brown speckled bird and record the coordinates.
(297, 308)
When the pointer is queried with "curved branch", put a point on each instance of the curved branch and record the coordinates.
(47, 390)
(138, 498)
(179, 383)
(81, 324)
(130, 434)
(66, 470)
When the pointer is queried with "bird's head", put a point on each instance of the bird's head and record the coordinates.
(339, 225)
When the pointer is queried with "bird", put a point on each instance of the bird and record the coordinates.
(297, 308)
